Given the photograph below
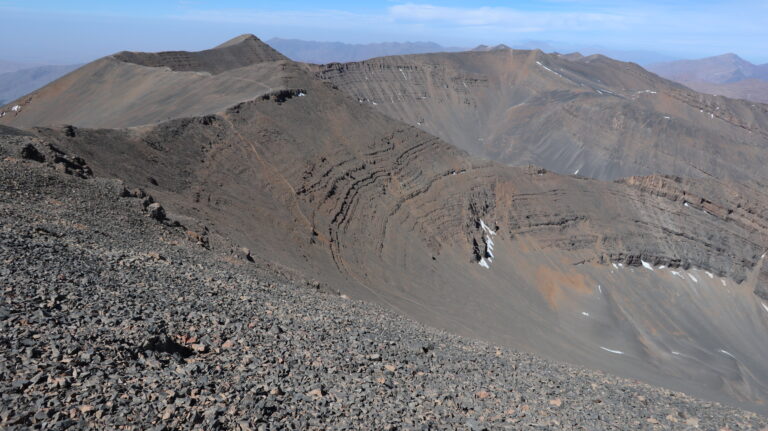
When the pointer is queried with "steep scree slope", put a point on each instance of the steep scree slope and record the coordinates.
(130, 89)
(112, 320)
(650, 277)
(386, 212)
(590, 116)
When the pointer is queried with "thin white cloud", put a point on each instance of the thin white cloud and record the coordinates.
(312, 18)
(504, 17)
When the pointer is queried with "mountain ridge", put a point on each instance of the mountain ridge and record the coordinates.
(613, 275)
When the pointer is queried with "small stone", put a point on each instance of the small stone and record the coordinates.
(374, 357)
(557, 402)
(198, 347)
(156, 211)
(485, 394)
(87, 408)
(245, 254)
(228, 344)
(29, 152)
(315, 393)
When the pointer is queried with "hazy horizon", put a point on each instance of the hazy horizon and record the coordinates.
(47, 32)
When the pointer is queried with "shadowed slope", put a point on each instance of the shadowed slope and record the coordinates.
(590, 116)
(239, 52)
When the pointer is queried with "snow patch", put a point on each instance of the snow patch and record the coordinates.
(546, 68)
(401, 71)
(764, 306)
(486, 228)
(16, 108)
(647, 265)
(676, 353)
(301, 94)
(695, 280)
(726, 353)
(667, 117)
(709, 274)
(489, 246)
(617, 352)
(600, 288)
(678, 274)
(484, 264)
(584, 313)
(722, 280)
(577, 171)
(615, 266)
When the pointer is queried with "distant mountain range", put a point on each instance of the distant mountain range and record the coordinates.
(727, 75)
(338, 52)
(16, 83)
(12, 66)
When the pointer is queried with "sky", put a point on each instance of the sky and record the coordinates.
(76, 31)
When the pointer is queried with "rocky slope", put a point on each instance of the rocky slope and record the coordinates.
(113, 318)
(130, 89)
(590, 116)
(658, 278)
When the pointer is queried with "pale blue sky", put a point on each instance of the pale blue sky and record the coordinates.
(61, 32)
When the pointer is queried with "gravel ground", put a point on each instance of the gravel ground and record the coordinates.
(111, 319)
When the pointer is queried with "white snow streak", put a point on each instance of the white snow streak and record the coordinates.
(710, 275)
(615, 266)
(489, 246)
(764, 306)
(16, 108)
(600, 288)
(484, 264)
(546, 68)
(726, 353)
(676, 353)
(577, 172)
(693, 278)
(401, 71)
(647, 265)
(618, 352)
(486, 228)
(722, 280)
(585, 313)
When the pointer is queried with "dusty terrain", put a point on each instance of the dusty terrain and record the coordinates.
(660, 278)
(113, 319)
